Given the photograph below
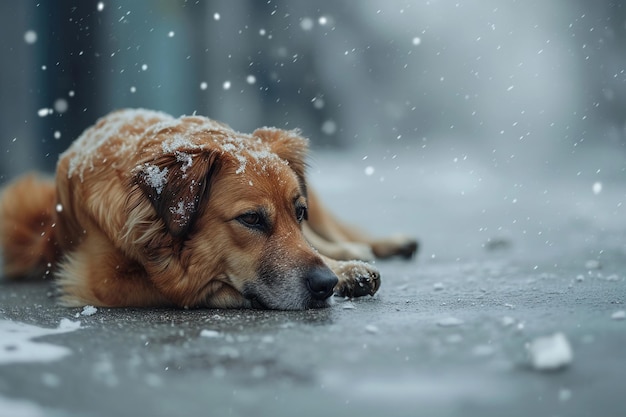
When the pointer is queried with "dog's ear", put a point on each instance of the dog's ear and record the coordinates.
(176, 185)
(290, 146)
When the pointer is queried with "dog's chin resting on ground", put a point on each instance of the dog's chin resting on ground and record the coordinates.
(149, 210)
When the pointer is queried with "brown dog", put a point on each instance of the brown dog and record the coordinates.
(149, 210)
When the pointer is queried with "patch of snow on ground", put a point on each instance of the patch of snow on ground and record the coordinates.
(210, 333)
(21, 408)
(449, 322)
(619, 315)
(17, 345)
(370, 328)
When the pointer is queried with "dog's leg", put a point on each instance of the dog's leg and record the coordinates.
(338, 250)
(356, 278)
(340, 241)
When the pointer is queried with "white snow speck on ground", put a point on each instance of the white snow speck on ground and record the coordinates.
(564, 394)
(619, 315)
(370, 328)
(211, 334)
(438, 286)
(483, 350)
(449, 322)
(507, 321)
(348, 305)
(50, 380)
(550, 352)
(454, 338)
(88, 311)
(68, 325)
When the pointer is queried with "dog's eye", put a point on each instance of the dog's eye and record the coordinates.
(301, 213)
(252, 220)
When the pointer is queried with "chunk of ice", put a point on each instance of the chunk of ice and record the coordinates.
(88, 311)
(550, 353)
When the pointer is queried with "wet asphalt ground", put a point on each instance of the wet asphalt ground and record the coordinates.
(506, 258)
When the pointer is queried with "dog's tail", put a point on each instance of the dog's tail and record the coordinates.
(27, 226)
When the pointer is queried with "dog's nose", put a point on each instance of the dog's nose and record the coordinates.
(320, 282)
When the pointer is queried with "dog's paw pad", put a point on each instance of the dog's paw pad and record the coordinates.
(357, 279)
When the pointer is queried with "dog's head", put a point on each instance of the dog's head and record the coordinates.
(225, 213)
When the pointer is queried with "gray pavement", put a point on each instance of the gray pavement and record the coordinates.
(507, 257)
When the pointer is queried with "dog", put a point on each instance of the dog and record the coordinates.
(148, 210)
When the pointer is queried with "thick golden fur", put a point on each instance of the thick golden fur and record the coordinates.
(149, 210)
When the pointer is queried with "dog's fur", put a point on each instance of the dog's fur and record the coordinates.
(149, 210)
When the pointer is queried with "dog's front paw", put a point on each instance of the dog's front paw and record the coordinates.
(356, 279)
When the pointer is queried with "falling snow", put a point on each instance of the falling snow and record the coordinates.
(329, 127)
(306, 24)
(597, 188)
(30, 37)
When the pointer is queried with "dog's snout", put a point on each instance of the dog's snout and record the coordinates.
(320, 282)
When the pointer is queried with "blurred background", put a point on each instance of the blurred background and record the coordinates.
(470, 124)
(527, 80)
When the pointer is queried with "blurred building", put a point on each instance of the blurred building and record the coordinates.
(510, 77)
